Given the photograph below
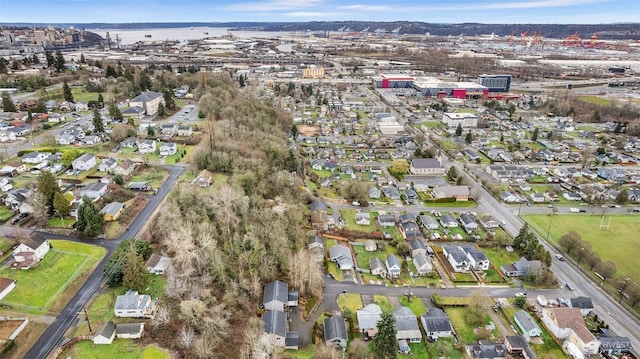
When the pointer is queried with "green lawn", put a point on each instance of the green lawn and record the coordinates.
(416, 305)
(383, 302)
(5, 213)
(596, 100)
(363, 256)
(57, 222)
(306, 353)
(349, 216)
(6, 244)
(500, 256)
(458, 204)
(550, 347)
(619, 243)
(464, 330)
(444, 347)
(101, 308)
(351, 301)
(333, 268)
(154, 175)
(418, 350)
(39, 287)
(428, 124)
(121, 349)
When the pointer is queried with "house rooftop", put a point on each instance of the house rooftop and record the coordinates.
(129, 328)
(275, 291)
(275, 322)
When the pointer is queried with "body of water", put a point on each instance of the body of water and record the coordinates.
(182, 34)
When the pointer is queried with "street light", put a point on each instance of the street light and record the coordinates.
(580, 257)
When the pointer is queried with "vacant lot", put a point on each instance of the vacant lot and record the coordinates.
(121, 348)
(618, 243)
(38, 288)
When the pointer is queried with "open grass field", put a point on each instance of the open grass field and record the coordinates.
(596, 100)
(416, 305)
(464, 330)
(121, 348)
(38, 288)
(349, 216)
(351, 301)
(383, 302)
(444, 347)
(619, 243)
(5, 213)
(154, 175)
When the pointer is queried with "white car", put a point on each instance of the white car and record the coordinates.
(520, 295)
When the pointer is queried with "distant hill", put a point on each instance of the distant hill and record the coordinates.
(605, 31)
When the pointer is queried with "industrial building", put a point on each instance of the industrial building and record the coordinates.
(431, 86)
(464, 119)
(495, 83)
(393, 81)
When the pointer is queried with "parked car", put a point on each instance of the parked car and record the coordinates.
(560, 257)
(519, 295)
(569, 286)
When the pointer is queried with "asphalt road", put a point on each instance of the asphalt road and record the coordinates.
(54, 334)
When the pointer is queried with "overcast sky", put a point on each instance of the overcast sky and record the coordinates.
(435, 11)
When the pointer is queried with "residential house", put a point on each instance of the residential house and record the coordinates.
(111, 211)
(517, 346)
(315, 241)
(521, 267)
(487, 222)
(184, 131)
(406, 218)
(335, 331)
(509, 197)
(129, 330)
(410, 230)
(30, 251)
(378, 267)
(527, 324)
(149, 101)
(468, 222)
(572, 196)
(146, 146)
(390, 192)
(135, 112)
(537, 197)
(486, 350)
(6, 286)
(94, 190)
(105, 334)
(168, 149)
(16, 197)
(387, 220)
(276, 296)
(583, 303)
(406, 325)
(91, 140)
(568, 324)
(13, 169)
(130, 142)
(203, 179)
(84, 162)
(448, 221)
(132, 305)
(363, 218)
(411, 196)
(426, 166)
(436, 324)
(125, 168)
(274, 325)
(374, 192)
(457, 257)
(139, 186)
(460, 193)
(34, 157)
(65, 139)
(158, 264)
(422, 262)
(319, 216)
(613, 345)
(417, 246)
(370, 245)
(477, 259)
(341, 255)
(368, 318)
(169, 129)
(7, 136)
(20, 131)
(428, 222)
(393, 266)
(108, 164)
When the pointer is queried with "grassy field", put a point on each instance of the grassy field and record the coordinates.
(416, 305)
(619, 243)
(57, 222)
(549, 346)
(464, 330)
(333, 269)
(499, 256)
(351, 301)
(121, 349)
(38, 288)
(383, 302)
(349, 216)
(5, 213)
(418, 350)
(153, 175)
(596, 100)
(444, 347)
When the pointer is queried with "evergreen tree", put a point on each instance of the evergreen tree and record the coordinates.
(459, 130)
(101, 100)
(7, 103)
(468, 138)
(384, 343)
(97, 121)
(115, 112)
(3, 65)
(241, 80)
(114, 268)
(66, 90)
(59, 61)
(82, 59)
(29, 116)
(160, 109)
(110, 72)
(50, 59)
(135, 275)
(48, 187)
(596, 116)
(61, 204)
(623, 196)
(168, 100)
(90, 220)
(534, 135)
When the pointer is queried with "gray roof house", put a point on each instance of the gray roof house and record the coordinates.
(94, 190)
(108, 164)
(387, 220)
(527, 324)
(105, 334)
(374, 192)
(158, 264)
(517, 344)
(436, 324)
(487, 350)
(520, 267)
(477, 259)
(448, 221)
(317, 206)
(393, 266)
(410, 230)
(129, 330)
(583, 303)
(422, 262)
(457, 257)
(132, 305)
(613, 345)
(335, 331)
(407, 325)
(315, 241)
(417, 246)
(428, 222)
(274, 325)
(341, 255)
(468, 222)
(276, 295)
(368, 318)
(377, 267)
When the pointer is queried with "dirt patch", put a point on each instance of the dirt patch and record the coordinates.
(308, 130)
(26, 340)
(7, 327)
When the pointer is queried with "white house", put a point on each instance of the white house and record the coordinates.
(422, 262)
(105, 334)
(146, 146)
(168, 149)
(407, 325)
(341, 255)
(84, 162)
(108, 164)
(132, 305)
(464, 119)
(7, 136)
(568, 324)
(158, 264)
(457, 257)
(94, 190)
(393, 266)
(37, 245)
(436, 324)
(65, 139)
(125, 168)
(149, 101)
(377, 267)
(368, 318)
(129, 330)
(35, 157)
(477, 259)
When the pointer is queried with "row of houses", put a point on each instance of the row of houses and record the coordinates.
(276, 301)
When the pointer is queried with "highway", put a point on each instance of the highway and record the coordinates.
(54, 334)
